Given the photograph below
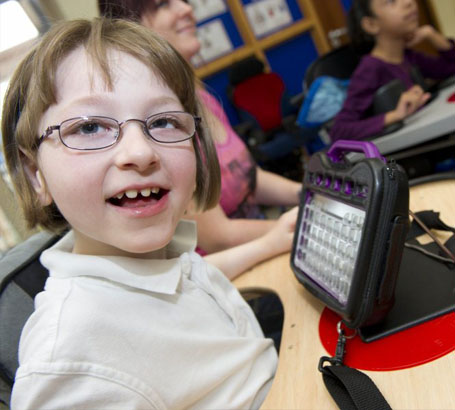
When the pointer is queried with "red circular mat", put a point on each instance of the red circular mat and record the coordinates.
(408, 348)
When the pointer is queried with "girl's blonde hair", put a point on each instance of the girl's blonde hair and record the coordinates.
(32, 91)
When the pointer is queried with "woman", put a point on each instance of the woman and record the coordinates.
(245, 186)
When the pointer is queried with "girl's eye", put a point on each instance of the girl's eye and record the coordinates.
(164, 123)
(90, 128)
(94, 128)
(171, 126)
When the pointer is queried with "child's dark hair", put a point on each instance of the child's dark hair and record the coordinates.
(361, 41)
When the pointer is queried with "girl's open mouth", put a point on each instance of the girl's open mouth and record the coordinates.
(138, 198)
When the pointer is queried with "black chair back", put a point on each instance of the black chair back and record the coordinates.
(21, 277)
(338, 63)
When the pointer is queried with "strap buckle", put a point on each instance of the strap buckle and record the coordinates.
(332, 360)
(340, 350)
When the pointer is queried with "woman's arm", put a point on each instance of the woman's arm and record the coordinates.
(216, 232)
(234, 261)
(273, 189)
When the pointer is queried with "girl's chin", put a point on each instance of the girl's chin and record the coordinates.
(190, 47)
(146, 248)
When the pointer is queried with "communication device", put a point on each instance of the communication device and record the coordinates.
(350, 233)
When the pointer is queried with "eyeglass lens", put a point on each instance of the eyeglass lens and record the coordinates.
(100, 132)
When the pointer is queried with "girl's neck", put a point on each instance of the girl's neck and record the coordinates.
(390, 50)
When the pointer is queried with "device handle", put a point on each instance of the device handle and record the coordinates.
(339, 147)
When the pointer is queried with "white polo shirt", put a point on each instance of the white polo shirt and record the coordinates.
(126, 333)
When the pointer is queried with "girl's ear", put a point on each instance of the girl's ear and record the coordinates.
(369, 25)
(36, 178)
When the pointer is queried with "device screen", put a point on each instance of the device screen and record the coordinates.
(328, 243)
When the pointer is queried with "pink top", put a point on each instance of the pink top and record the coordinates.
(238, 168)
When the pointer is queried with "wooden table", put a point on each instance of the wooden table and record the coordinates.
(298, 384)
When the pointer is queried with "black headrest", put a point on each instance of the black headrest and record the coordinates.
(244, 69)
(339, 63)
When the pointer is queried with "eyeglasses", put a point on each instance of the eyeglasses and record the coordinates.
(89, 133)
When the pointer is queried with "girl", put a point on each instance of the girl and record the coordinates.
(103, 133)
(243, 184)
(386, 28)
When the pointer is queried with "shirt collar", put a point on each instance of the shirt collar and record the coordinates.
(154, 275)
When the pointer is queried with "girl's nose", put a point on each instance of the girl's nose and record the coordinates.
(135, 150)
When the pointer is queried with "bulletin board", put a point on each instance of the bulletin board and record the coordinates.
(269, 16)
(217, 31)
(239, 36)
(294, 34)
(205, 9)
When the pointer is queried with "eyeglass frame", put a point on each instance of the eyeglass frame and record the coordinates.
(51, 128)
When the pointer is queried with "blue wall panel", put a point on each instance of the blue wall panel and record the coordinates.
(295, 10)
(291, 59)
(346, 4)
(217, 85)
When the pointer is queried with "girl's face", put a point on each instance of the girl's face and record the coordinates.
(85, 185)
(395, 17)
(174, 20)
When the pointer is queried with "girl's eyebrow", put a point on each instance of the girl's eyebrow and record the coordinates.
(97, 100)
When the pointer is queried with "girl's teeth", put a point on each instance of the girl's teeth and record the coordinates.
(146, 192)
(131, 194)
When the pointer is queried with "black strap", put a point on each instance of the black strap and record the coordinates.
(352, 389)
(349, 388)
(431, 220)
(439, 251)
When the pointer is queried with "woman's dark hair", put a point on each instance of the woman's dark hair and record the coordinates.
(125, 9)
(361, 41)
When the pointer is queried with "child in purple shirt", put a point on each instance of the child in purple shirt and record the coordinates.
(388, 28)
